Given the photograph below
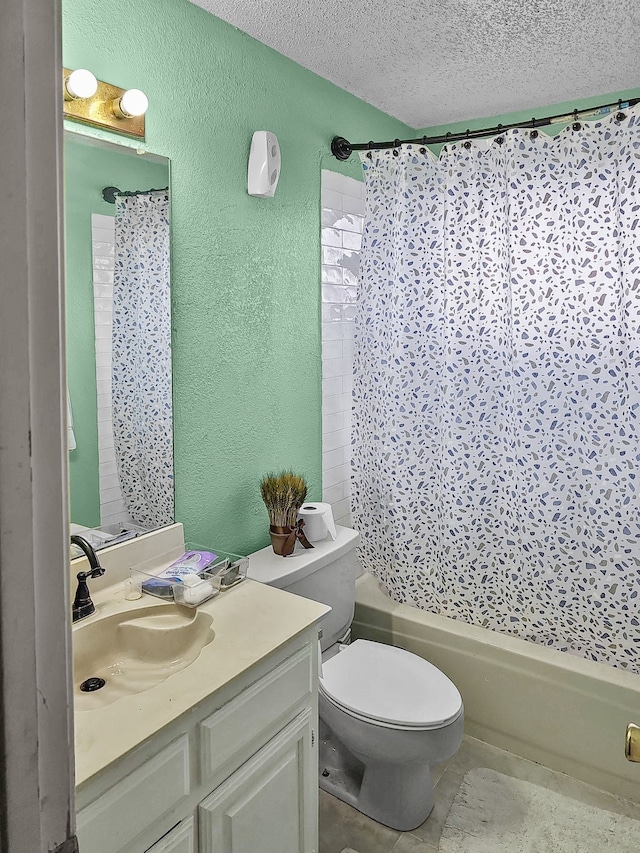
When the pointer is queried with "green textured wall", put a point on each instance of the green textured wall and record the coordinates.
(245, 271)
(88, 168)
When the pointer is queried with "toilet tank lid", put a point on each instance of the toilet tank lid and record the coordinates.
(390, 685)
(270, 568)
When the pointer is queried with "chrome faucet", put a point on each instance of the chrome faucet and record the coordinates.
(82, 604)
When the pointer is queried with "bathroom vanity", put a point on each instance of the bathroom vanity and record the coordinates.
(221, 756)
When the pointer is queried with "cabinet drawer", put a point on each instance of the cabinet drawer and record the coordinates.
(137, 801)
(230, 729)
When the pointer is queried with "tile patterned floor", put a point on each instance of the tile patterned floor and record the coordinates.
(343, 827)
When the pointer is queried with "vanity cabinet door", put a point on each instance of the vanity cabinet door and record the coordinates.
(139, 803)
(270, 804)
(181, 839)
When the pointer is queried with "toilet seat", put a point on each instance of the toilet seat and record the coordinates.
(390, 687)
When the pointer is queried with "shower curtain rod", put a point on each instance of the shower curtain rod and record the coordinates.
(109, 193)
(342, 149)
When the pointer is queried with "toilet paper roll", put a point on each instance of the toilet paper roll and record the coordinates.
(318, 521)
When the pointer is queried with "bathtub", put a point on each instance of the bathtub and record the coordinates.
(565, 712)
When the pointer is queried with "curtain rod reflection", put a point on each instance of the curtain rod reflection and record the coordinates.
(109, 193)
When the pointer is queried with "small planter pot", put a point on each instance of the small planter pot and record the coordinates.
(283, 540)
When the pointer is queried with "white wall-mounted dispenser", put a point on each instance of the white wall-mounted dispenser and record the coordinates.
(264, 164)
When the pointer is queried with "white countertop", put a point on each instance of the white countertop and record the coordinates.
(250, 622)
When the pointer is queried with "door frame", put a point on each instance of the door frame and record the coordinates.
(36, 710)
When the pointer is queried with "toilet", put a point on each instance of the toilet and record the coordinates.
(387, 716)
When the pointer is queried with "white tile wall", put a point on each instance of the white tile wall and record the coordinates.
(112, 508)
(341, 238)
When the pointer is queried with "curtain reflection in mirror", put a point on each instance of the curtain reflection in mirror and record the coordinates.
(141, 360)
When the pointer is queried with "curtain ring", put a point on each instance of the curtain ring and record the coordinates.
(576, 124)
(369, 155)
(499, 139)
(621, 116)
(423, 150)
(534, 134)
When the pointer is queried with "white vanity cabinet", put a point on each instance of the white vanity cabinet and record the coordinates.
(237, 773)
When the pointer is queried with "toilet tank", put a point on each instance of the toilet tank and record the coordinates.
(325, 573)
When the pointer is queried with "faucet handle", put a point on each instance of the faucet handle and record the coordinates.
(92, 573)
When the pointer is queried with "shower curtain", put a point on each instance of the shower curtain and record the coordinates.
(141, 360)
(496, 443)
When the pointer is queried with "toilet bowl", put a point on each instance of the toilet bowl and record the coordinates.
(387, 716)
(398, 716)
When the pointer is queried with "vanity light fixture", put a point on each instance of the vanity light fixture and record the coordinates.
(105, 106)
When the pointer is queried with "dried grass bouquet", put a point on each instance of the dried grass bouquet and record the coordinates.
(283, 495)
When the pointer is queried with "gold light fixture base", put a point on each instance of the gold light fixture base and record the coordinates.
(632, 743)
(98, 111)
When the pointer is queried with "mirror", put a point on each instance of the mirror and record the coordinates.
(120, 433)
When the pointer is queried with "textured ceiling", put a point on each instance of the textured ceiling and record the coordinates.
(430, 62)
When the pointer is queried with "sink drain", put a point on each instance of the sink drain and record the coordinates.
(92, 684)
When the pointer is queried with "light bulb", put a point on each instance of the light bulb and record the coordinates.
(133, 103)
(80, 84)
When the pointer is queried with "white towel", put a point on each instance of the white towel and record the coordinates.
(71, 437)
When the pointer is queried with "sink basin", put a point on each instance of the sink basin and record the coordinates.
(135, 650)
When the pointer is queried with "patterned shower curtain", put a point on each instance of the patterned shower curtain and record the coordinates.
(496, 439)
(141, 361)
